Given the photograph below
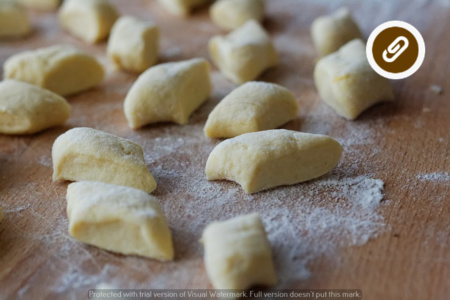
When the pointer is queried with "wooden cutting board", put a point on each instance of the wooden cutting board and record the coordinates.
(399, 249)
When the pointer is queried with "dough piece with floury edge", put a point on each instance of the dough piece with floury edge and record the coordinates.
(329, 33)
(182, 7)
(237, 253)
(231, 14)
(266, 159)
(244, 53)
(64, 70)
(86, 154)
(89, 20)
(119, 219)
(41, 4)
(27, 108)
(254, 106)
(133, 44)
(168, 92)
(14, 21)
(346, 81)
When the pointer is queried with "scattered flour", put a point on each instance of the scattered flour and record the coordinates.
(436, 177)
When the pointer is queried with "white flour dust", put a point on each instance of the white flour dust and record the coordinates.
(435, 177)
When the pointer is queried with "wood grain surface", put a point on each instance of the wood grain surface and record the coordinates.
(404, 143)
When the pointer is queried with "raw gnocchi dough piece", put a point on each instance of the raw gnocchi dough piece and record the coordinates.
(41, 4)
(182, 7)
(237, 253)
(89, 20)
(254, 106)
(266, 159)
(61, 69)
(13, 20)
(329, 33)
(26, 108)
(168, 92)
(347, 82)
(86, 154)
(133, 44)
(244, 53)
(119, 219)
(231, 14)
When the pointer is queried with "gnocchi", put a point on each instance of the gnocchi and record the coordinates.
(231, 14)
(168, 92)
(244, 53)
(119, 219)
(26, 108)
(133, 44)
(237, 253)
(64, 70)
(266, 159)
(329, 33)
(254, 106)
(89, 20)
(41, 4)
(347, 83)
(86, 154)
(182, 7)
(13, 20)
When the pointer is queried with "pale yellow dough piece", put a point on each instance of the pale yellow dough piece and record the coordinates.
(329, 33)
(244, 53)
(41, 4)
(182, 7)
(86, 154)
(13, 20)
(237, 253)
(168, 92)
(89, 20)
(347, 82)
(254, 106)
(266, 159)
(119, 219)
(133, 44)
(64, 70)
(27, 108)
(231, 14)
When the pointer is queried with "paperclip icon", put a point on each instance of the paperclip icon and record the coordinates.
(394, 48)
